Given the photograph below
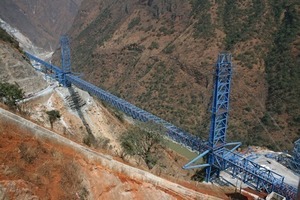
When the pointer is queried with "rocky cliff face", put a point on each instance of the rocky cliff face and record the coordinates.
(41, 21)
(160, 56)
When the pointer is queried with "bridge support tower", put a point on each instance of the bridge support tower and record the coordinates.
(65, 60)
(219, 119)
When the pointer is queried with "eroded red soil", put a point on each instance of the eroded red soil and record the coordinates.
(31, 168)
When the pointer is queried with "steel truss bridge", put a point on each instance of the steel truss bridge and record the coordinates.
(216, 150)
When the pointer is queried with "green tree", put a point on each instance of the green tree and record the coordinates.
(134, 22)
(144, 141)
(169, 49)
(4, 36)
(53, 115)
(10, 94)
(153, 45)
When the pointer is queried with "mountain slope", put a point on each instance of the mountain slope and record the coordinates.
(40, 164)
(41, 21)
(15, 69)
(160, 56)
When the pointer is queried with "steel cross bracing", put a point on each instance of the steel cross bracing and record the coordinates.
(190, 141)
(174, 133)
(219, 118)
(219, 157)
(65, 59)
(253, 174)
(49, 69)
(223, 158)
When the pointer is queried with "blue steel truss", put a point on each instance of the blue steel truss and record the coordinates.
(220, 107)
(219, 118)
(219, 156)
(65, 54)
(189, 141)
(65, 59)
(49, 69)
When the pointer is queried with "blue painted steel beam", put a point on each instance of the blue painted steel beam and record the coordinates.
(190, 166)
(253, 174)
(65, 59)
(190, 141)
(47, 65)
(52, 70)
(65, 54)
(218, 155)
(220, 108)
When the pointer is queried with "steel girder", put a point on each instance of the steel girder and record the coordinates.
(253, 174)
(218, 155)
(50, 70)
(248, 171)
(185, 139)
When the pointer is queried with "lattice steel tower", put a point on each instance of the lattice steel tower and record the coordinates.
(219, 118)
(65, 60)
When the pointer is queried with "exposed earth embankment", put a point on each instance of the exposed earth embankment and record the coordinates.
(98, 176)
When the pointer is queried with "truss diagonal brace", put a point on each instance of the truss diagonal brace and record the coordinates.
(190, 166)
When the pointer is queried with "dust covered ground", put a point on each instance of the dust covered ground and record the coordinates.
(90, 117)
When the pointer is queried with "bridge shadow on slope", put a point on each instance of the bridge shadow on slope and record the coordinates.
(75, 102)
(237, 196)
